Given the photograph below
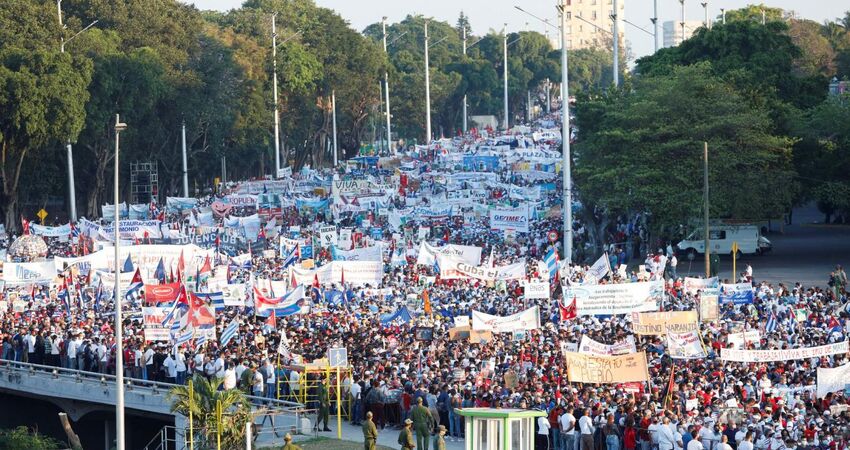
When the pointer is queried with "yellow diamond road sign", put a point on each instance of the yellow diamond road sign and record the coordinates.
(41, 214)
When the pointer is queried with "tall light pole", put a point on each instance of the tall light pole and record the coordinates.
(119, 338)
(705, 13)
(616, 39)
(705, 207)
(505, 73)
(655, 23)
(333, 105)
(565, 142)
(683, 20)
(427, 93)
(274, 94)
(72, 190)
(723, 15)
(464, 94)
(387, 85)
(185, 165)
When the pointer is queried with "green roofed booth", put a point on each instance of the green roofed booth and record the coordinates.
(499, 429)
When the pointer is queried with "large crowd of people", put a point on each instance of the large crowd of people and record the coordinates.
(705, 403)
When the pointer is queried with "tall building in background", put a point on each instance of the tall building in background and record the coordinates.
(673, 31)
(582, 15)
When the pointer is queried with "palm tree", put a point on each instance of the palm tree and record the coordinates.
(206, 396)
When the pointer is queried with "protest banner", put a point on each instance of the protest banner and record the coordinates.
(466, 253)
(454, 269)
(459, 333)
(536, 289)
(162, 293)
(461, 321)
(152, 318)
(730, 354)
(658, 323)
(616, 298)
(740, 340)
(234, 294)
(509, 219)
(708, 308)
(583, 368)
(133, 229)
(41, 272)
(373, 253)
(739, 294)
(833, 379)
(710, 286)
(685, 345)
(62, 230)
(480, 336)
(328, 236)
(590, 347)
(180, 204)
(525, 320)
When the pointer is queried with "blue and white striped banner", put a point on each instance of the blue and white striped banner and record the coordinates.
(229, 332)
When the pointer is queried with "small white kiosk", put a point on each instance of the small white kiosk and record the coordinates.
(499, 429)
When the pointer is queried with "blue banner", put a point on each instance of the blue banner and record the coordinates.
(739, 294)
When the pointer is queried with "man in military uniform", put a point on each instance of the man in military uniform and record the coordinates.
(370, 433)
(439, 439)
(422, 421)
(405, 438)
(324, 405)
(288, 443)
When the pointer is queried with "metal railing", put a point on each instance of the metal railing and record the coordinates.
(166, 439)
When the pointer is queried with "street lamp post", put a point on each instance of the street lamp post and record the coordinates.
(723, 15)
(116, 293)
(427, 93)
(274, 94)
(705, 13)
(565, 142)
(333, 105)
(616, 39)
(72, 190)
(185, 165)
(387, 85)
(655, 23)
(505, 73)
(683, 19)
(464, 94)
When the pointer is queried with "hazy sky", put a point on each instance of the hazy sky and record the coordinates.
(491, 14)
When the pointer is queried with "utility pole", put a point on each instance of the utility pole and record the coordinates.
(116, 293)
(723, 15)
(427, 93)
(464, 95)
(387, 87)
(333, 104)
(616, 38)
(683, 19)
(705, 207)
(705, 12)
(655, 22)
(548, 97)
(274, 88)
(223, 170)
(185, 169)
(565, 142)
(505, 73)
(763, 17)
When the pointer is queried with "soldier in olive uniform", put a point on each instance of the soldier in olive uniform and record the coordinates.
(288, 443)
(405, 438)
(439, 439)
(324, 405)
(370, 433)
(422, 421)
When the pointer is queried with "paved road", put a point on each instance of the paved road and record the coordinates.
(806, 251)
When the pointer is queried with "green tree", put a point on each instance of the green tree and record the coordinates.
(753, 13)
(642, 151)
(203, 403)
(42, 96)
(23, 439)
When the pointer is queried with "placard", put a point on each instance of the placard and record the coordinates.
(730, 354)
(625, 298)
(537, 289)
(708, 308)
(606, 369)
(658, 323)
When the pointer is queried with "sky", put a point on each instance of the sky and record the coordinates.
(485, 15)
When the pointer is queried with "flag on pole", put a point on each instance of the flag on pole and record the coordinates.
(202, 339)
(185, 337)
(159, 274)
(229, 332)
(426, 302)
(601, 268)
(128, 264)
(568, 312)
(283, 348)
(551, 261)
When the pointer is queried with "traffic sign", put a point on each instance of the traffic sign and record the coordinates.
(41, 214)
(553, 236)
(338, 357)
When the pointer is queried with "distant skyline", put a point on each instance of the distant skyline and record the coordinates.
(492, 14)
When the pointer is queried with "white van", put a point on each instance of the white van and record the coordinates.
(749, 239)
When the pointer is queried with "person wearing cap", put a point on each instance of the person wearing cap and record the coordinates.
(324, 405)
(405, 437)
(288, 445)
(422, 421)
(439, 439)
(370, 433)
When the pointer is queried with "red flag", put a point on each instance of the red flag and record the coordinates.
(293, 282)
(207, 267)
(262, 233)
(137, 277)
(426, 302)
(342, 277)
(181, 265)
(170, 275)
(25, 224)
(271, 321)
(200, 315)
(568, 312)
(316, 281)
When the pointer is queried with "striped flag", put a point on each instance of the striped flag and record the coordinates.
(201, 340)
(186, 336)
(771, 324)
(216, 299)
(229, 332)
(551, 261)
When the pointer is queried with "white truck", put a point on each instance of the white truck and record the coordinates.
(721, 238)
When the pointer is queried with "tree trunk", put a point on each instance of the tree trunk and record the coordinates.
(73, 439)
(11, 213)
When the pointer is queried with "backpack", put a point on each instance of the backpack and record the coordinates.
(402, 439)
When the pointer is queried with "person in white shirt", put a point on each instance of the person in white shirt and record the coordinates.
(542, 438)
(653, 432)
(239, 369)
(567, 421)
(71, 350)
(170, 369)
(219, 367)
(747, 443)
(181, 368)
(695, 444)
(586, 428)
(724, 443)
(707, 436)
(229, 378)
(666, 438)
(257, 383)
(269, 376)
(148, 357)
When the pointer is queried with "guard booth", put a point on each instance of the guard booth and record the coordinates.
(337, 370)
(499, 429)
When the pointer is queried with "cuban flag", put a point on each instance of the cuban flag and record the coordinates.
(98, 294)
(284, 306)
(135, 286)
(771, 324)
(185, 337)
(229, 332)
(201, 340)
(63, 295)
(198, 314)
(551, 261)
(292, 258)
(181, 305)
(216, 299)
